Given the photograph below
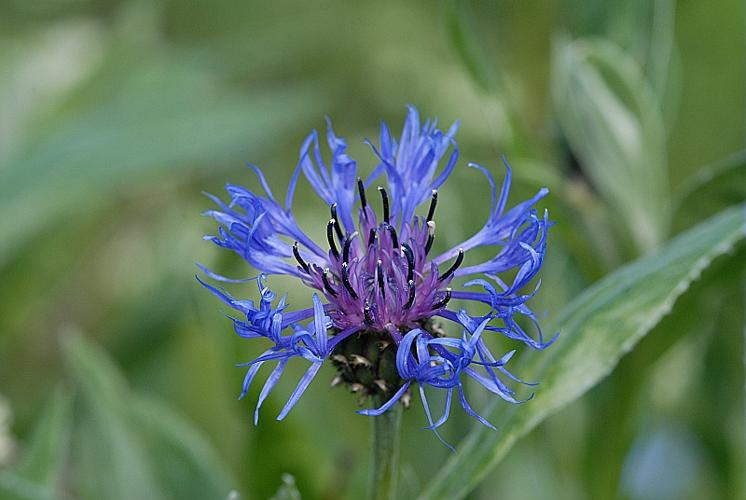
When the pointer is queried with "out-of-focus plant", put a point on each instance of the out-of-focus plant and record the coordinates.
(611, 117)
(115, 115)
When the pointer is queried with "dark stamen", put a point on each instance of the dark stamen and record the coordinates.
(330, 237)
(346, 280)
(327, 285)
(430, 236)
(361, 190)
(444, 301)
(410, 300)
(346, 248)
(429, 243)
(456, 264)
(381, 278)
(385, 199)
(372, 237)
(409, 255)
(433, 203)
(300, 260)
(337, 227)
(394, 238)
(368, 315)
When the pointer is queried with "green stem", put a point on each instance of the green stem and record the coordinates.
(384, 470)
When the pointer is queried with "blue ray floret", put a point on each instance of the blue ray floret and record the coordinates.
(378, 293)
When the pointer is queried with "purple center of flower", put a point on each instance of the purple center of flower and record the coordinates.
(377, 277)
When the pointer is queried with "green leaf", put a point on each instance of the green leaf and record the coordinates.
(132, 447)
(611, 118)
(37, 476)
(597, 329)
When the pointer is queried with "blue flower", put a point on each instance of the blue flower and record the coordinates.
(383, 290)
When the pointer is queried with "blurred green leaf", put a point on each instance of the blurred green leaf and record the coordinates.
(288, 490)
(15, 487)
(182, 459)
(134, 447)
(645, 29)
(612, 120)
(662, 64)
(598, 328)
(711, 189)
(38, 474)
(45, 455)
(111, 459)
(143, 115)
(468, 48)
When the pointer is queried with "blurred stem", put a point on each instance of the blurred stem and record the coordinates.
(384, 471)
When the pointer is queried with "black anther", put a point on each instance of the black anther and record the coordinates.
(394, 238)
(368, 315)
(433, 203)
(430, 236)
(337, 227)
(327, 285)
(444, 301)
(346, 280)
(381, 277)
(300, 260)
(347, 245)
(361, 190)
(410, 300)
(456, 264)
(409, 255)
(372, 236)
(385, 200)
(330, 237)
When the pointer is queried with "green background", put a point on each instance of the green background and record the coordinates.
(117, 370)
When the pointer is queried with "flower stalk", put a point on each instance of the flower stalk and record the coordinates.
(384, 471)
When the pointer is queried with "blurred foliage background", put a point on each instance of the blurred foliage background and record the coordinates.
(116, 368)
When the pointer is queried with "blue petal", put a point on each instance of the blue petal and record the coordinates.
(432, 426)
(404, 356)
(250, 374)
(320, 323)
(300, 389)
(218, 277)
(411, 164)
(470, 411)
(270, 384)
(446, 411)
(387, 405)
(245, 306)
(336, 184)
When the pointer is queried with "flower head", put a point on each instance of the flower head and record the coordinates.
(384, 288)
